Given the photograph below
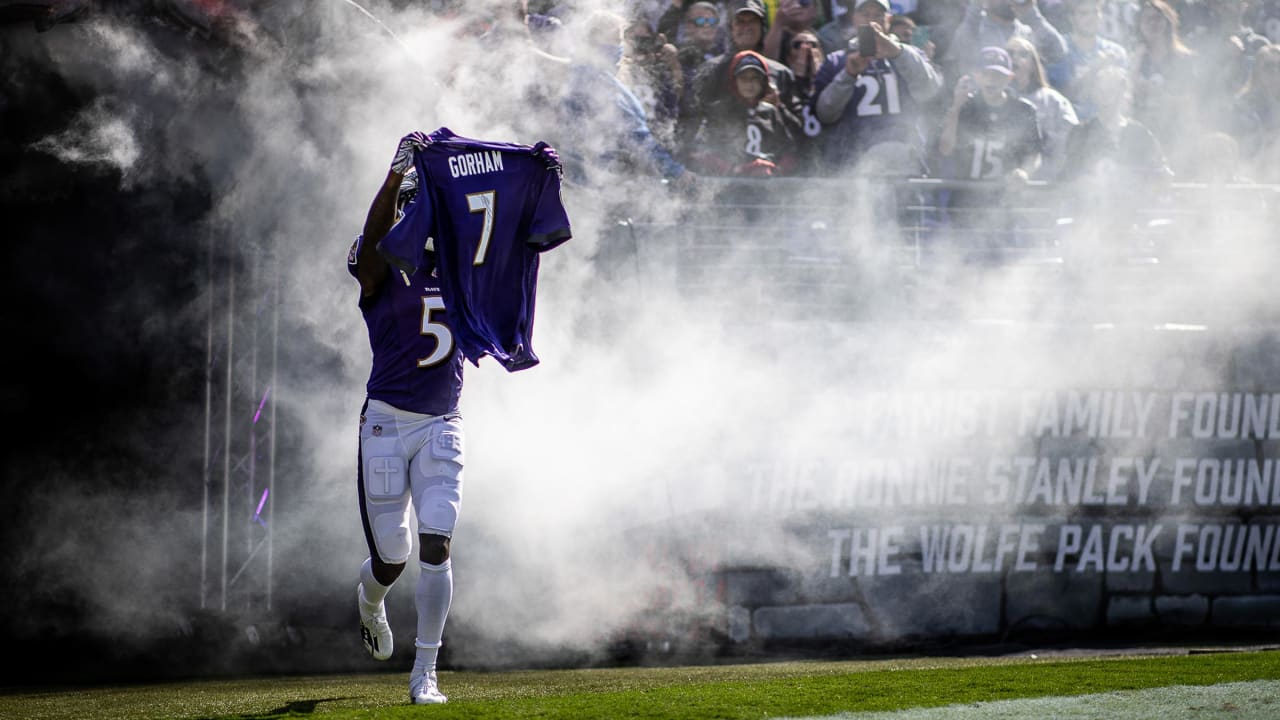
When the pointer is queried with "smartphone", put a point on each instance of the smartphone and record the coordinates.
(866, 41)
(920, 38)
(644, 45)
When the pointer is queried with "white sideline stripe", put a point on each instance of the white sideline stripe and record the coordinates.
(1257, 700)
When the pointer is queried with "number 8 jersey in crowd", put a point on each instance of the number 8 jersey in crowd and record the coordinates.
(487, 209)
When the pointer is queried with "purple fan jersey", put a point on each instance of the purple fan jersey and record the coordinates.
(415, 364)
(882, 109)
(992, 141)
(488, 209)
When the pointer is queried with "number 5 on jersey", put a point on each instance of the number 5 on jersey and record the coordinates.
(440, 331)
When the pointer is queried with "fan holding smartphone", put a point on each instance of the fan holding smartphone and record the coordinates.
(868, 95)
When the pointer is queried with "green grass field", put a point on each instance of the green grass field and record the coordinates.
(764, 690)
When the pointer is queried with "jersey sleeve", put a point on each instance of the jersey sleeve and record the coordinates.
(550, 226)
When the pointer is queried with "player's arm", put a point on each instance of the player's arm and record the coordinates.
(372, 268)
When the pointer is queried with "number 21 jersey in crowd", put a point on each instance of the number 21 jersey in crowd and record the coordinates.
(487, 209)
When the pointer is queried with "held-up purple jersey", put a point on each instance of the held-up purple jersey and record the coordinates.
(488, 209)
(415, 364)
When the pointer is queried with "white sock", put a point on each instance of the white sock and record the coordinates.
(374, 591)
(433, 595)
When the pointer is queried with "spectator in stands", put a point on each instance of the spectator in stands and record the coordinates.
(1087, 52)
(671, 21)
(1054, 112)
(991, 134)
(990, 23)
(791, 17)
(804, 57)
(1222, 214)
(744, 134)
(1165, 78)
(702, 38)
(905, 29)
(696, 31)
(711, 84)
(606, 125)
(1265, 15)
(836, 34)
(545, 31)
(651, 69)
(1227, 44)
(868, 100)
(1255, 121)
(1108, 158)
(1216, 160)
(1119, 21)
(1112, 150)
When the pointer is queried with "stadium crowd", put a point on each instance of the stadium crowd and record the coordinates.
(968, 89)
(1117, 94)
(1109, 101)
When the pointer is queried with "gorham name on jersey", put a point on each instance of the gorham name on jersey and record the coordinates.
(487, 209)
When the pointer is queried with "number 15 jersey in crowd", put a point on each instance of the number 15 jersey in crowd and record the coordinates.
(487, 209)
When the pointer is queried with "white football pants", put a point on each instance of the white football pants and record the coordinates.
(408, 458)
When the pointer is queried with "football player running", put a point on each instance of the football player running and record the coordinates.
(410, 434)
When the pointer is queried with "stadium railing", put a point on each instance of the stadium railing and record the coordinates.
(830, 245)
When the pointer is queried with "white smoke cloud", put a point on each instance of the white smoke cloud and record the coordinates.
(98, 136)
(582, 469)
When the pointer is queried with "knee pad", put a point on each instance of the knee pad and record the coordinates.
(437, 482)
(392, 536)
(386, 502)
(438, 510)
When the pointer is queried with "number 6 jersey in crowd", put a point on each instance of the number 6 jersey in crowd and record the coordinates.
(487, 209)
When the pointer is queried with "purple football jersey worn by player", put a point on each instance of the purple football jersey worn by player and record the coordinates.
(415, 364)
(487, 209)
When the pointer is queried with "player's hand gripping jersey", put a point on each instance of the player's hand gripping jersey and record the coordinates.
(487, 209)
